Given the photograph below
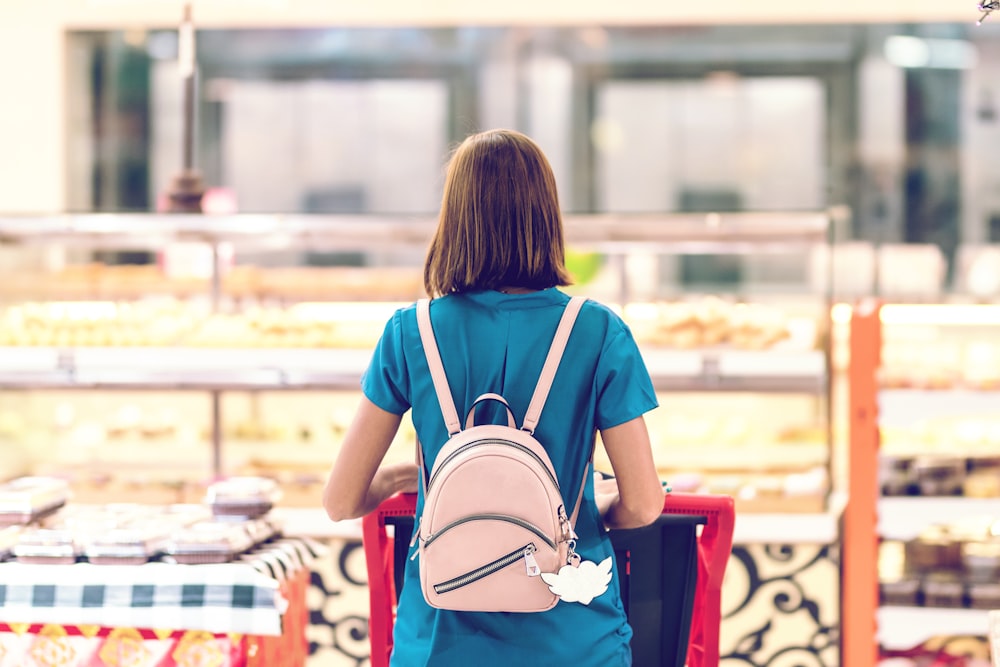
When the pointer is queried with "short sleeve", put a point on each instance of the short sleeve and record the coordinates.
(385, 383)
(624, 388)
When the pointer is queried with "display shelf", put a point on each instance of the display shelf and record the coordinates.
(303, 368)
(902, 628)
(729, 232)
(905, 407)
(958, 369)
(902, 518)
(29, 360)
(736, 370)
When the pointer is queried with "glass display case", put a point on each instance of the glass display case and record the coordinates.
(279, 350)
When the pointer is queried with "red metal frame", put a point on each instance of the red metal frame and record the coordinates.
(859, 588)
(714, 546)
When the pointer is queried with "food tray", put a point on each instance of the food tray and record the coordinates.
(981, 560)
(28, 499)
(249, 497)
(904, 592)
(943, 590)
(984, 595)
(126, 546)
(46, 545)
(208, 542)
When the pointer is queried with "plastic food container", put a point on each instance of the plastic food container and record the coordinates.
(981, 560)
(933, 550)
(897, 476)
(208, 542)
(126, 546)
(984, 595)
(27, 499)
(249, 497)
(904, 592)
(943, 590)
(46, 546)
(940, 476)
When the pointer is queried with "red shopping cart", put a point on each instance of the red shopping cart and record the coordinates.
(670, 573)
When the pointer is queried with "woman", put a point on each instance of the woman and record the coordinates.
(493, 269)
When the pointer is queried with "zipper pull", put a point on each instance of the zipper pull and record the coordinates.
(415, 539)
(529, 561)
(416, 533)
(564, 525)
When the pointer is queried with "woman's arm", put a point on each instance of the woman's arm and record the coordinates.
(357, 485)
(639, 498)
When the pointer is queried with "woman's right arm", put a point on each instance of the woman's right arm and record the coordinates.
(639, 500)
(359, 482)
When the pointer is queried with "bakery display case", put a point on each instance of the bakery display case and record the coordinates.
(925, 442)
(148, 343)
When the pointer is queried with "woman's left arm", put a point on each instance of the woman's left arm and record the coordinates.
(357, 484)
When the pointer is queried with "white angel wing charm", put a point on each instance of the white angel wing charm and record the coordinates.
(581, 583)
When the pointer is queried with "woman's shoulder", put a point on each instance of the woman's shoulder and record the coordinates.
(596, 312)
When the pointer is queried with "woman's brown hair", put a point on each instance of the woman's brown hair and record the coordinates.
(500, 224)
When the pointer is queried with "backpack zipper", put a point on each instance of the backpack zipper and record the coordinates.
(492, 517)
(486, 570)
(493, 441)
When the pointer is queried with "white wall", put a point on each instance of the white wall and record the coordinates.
(103, 13)
(32, 114)
(33, 71)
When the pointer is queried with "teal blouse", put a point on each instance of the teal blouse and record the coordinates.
(495, 342)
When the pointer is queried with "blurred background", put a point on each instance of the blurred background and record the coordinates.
(725, 108)
(795, 207)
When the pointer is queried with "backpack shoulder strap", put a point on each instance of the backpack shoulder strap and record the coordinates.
(433, 355)
(551, 364)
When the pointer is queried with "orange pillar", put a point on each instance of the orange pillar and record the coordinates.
(859, 555)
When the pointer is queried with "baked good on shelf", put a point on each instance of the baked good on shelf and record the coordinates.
(711, 321)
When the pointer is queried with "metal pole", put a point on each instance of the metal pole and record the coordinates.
(186, 190)
(216, 433)
(186, 64)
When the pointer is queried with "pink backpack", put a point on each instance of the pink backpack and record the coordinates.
(493, 518)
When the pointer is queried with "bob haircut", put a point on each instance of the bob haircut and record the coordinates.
(500, 224)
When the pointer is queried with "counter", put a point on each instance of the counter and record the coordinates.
(237, 614)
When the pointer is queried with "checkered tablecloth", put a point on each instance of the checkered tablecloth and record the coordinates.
(239, 597)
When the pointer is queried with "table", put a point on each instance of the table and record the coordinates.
(248, 613)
